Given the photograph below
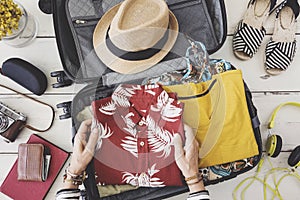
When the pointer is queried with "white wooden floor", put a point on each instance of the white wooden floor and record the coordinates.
(267, 95)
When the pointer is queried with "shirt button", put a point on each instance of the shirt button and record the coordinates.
(141, 123)
(142, 143)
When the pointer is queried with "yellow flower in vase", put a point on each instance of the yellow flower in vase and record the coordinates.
(10, 15)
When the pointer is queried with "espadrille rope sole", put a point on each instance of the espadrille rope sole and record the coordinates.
(281, 49)
(250, 32)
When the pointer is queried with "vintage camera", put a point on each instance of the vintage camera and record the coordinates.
(11, 123)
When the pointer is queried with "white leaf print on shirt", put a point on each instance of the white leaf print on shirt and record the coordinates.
(104, 132)
(130, 142)
(130, 124)
(120, 97)
(167, 110)
(150, 92)
(152, 170)
(159, 139)
(144, 179)
(130, 145)
(122, 94)
(108, 109)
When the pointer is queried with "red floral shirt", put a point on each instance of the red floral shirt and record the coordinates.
(137, 126)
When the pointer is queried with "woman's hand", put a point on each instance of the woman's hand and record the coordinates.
(186, 158)
(84, 147)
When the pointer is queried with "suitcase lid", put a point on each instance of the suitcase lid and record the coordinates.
(74, 22)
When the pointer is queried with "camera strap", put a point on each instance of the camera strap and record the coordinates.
(38, 101)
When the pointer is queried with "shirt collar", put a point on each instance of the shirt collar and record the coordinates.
(139, 97)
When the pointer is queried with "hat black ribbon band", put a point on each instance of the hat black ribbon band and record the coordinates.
(137, 55)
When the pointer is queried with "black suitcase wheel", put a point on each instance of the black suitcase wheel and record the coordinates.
(65, 116)
(55, 73)
(62, 79)
(58, 85)
(66, 106)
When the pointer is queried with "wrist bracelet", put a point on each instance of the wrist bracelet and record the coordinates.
(198, 181)
(71, 174)
(196, 176)
(74, 182)
(74, 178)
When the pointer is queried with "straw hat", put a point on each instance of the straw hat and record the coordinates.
(135, 35)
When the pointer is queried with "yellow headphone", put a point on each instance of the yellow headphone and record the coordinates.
(274, 142)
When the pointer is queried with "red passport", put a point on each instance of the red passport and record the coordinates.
(18, 190)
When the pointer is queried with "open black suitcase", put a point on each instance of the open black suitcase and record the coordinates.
(74, 22)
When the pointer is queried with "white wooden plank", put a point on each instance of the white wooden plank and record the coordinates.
(253, 69)
(45, 22)
(287, 121)
(39, 116)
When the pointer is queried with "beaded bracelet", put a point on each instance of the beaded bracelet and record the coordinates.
(75, 179)
(74, 182)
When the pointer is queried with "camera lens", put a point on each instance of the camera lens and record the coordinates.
(3, 123)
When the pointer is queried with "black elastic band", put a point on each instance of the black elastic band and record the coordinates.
(138, 55)
(199, 95)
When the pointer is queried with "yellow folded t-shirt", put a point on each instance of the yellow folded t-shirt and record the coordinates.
(221, 104)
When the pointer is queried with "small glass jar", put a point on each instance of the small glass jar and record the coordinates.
(26, 32)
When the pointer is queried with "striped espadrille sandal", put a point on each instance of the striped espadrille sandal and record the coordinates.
(281, 48)
(250, 31)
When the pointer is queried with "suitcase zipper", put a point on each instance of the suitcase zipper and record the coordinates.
(85, 22)
(79, 21)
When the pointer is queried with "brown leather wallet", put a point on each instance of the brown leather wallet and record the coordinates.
(31, 162)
